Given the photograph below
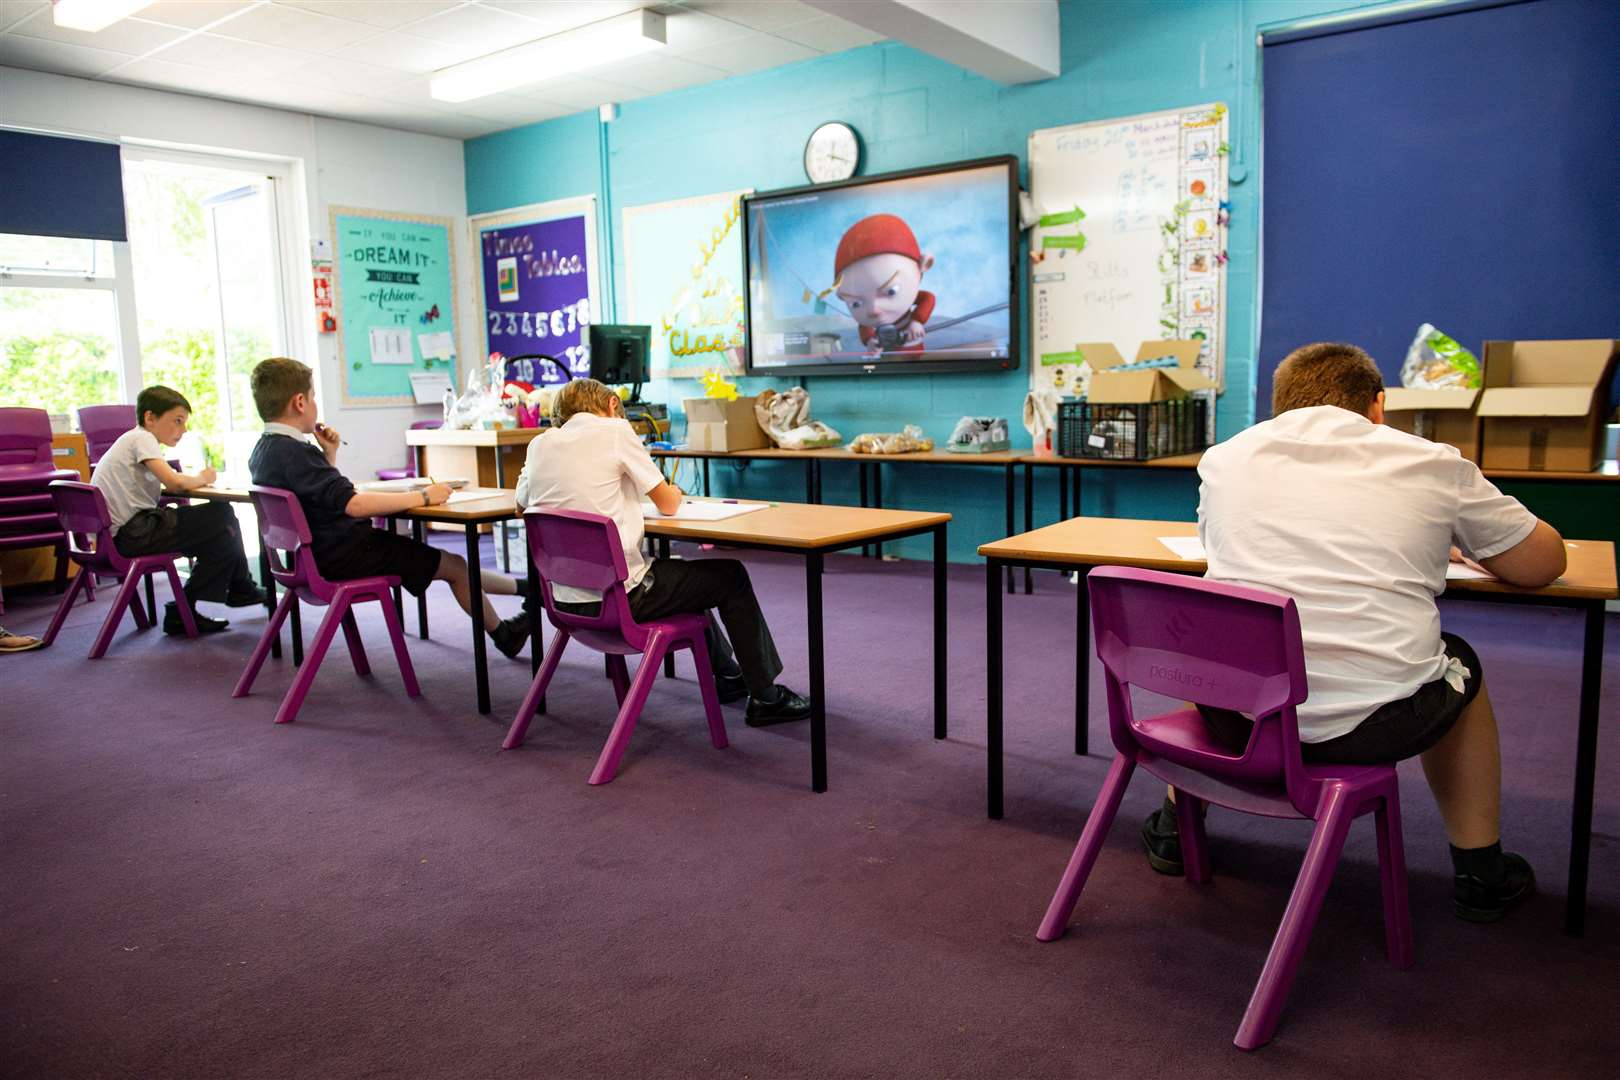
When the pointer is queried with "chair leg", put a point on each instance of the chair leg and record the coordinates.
(1086, 851)
(262, 649)
(80, 580)
(619, 738)
(1299, 918)
(126, 591)
(143, 621)
(312, 661)
(537, 691)
(396, 634)
(181, 603)
(89, 587)
(711, 696)
(1194, 844)
(620, 674)
(1392, 875)
(357, 648)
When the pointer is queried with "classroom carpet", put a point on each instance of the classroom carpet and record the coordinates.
(378, 890)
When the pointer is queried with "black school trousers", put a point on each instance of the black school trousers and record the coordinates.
(207, 532)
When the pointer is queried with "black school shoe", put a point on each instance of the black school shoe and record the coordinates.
(1161, 838)
(245, 596)
(1485, 901)
(511, 635)
(787, 708)
(205, 625)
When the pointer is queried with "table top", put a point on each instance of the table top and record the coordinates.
(1178, 461)
(1608, 470)
(496, 437)
(841, 453)
(213, 494)
(1134, 542)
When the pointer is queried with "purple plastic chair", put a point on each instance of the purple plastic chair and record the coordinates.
(82, 510)
(583, 551)
(410, 454)
(286, 539)
(102, 424)
(27, 514)
(1239, 649)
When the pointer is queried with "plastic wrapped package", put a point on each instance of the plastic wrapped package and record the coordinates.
(785, 417)
(908, 441)
(1436, 362)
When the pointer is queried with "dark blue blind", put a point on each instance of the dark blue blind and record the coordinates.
(1459, 169)
(51, 186)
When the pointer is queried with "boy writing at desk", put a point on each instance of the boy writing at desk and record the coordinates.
(1354, 520)
(132, 475)
(342, 538)
(593, 462)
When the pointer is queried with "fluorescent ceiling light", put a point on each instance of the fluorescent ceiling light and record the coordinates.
(593, 45)
(93, 15)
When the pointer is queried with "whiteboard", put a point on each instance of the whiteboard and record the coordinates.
(1130, 245)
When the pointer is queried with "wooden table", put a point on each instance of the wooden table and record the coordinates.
(1084, 543)
(484, 457)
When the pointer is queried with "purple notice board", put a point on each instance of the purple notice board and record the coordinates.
(537, 294)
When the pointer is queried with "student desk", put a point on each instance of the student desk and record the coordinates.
(1084, 543)
(489, 458)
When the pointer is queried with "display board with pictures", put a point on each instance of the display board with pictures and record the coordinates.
(1130, 243)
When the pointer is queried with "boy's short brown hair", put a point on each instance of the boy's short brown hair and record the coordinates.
(1327, 373)
(581, 396)
(158, 400)
(276, 382)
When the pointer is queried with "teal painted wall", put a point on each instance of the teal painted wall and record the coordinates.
(913, 110)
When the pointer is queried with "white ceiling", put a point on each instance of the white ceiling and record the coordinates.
(368, 60)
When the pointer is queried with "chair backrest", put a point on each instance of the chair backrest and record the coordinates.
(1213, 644)
(582, 551)
(102, 424)
(285, 534)
(82, 510)
(25, 437)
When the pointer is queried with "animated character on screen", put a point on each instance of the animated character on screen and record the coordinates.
(878, 275)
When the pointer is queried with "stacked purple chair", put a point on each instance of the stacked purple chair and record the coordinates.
(582, 551)
(410, 454)
(1239, 649)
(102, 424)
(82, 510)
(27, 515)
(286, 539)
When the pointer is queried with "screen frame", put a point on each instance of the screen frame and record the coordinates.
(925, 366)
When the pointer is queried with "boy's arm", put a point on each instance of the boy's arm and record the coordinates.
(174, 480)
(365, 504)
(1537, 560)
(666, 496)
(645, 474)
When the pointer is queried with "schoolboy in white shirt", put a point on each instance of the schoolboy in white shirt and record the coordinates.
(132, 475)
(593, 462)
(1356, 521)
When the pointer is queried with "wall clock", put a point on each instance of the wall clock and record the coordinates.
(833, 152)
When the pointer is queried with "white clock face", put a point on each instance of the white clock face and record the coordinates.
(832, 153)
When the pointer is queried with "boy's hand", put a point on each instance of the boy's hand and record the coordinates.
(1458, 557)
(207, 477)
(437, 494)
(329, 438)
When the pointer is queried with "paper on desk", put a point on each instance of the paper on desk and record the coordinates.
(468, 496)
(1456, 571)
(1184, 547)
(412, 483)
(693, 510)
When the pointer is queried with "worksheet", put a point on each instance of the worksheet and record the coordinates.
(702, 510)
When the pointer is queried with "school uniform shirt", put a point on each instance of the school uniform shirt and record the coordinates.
(127, 484)
(285, 458)
(1355, 521)
(598, 465)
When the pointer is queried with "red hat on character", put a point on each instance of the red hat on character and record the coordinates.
(880, 234)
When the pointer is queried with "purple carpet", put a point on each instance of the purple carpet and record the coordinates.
(188, 890)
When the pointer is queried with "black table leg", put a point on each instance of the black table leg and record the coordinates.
(296, 621)
(1063, 494)
(1580, 828)
(669, 658)
(818, 674)
(877, 499)
(809, 479)
(1082, 663)
(151, 600)
(1075, 476)
(817, 463)
(399, 601)
(1009, 486)
(860, 467)
(475, 595)
(269, 583)
(992, 674)
(419, 534)
(1029, 520)
(939, 632)
(706, 492)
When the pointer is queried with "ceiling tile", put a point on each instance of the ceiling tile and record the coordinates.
(291, 28)
(579, 94)
(555, 16)
(350, 76)
(386, 14)
(187, 78)
(513, 112)
(752, 13)
(402, 52)
(133, 36)
(758, 52)
(37, 54)
(13, 12)
(661, 74)
(487, 29)
(228, 54)
(828, 34)
(193, 14)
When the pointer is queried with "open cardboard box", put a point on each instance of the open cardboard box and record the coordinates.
(1543, 403)
(715, 424)
(1442, 416)
(1110, 387)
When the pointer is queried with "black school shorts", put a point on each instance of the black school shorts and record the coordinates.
(380, 554)
(1394, 732)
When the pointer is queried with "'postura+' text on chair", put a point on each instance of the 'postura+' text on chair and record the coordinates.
(582, 551)
(1232, 648)
(286, 538)
(82, 511)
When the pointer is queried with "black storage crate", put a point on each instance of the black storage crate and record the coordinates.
(1137, 432)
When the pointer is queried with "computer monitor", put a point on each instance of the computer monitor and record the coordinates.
(619, 353)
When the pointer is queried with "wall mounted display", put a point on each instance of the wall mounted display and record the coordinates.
(394, 291)
(684, 278)
(1131, 239)
(537, 284)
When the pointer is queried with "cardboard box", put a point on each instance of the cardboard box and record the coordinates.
(1543, 403)
(714, 424)
(1109, 387)
(1442, 416)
